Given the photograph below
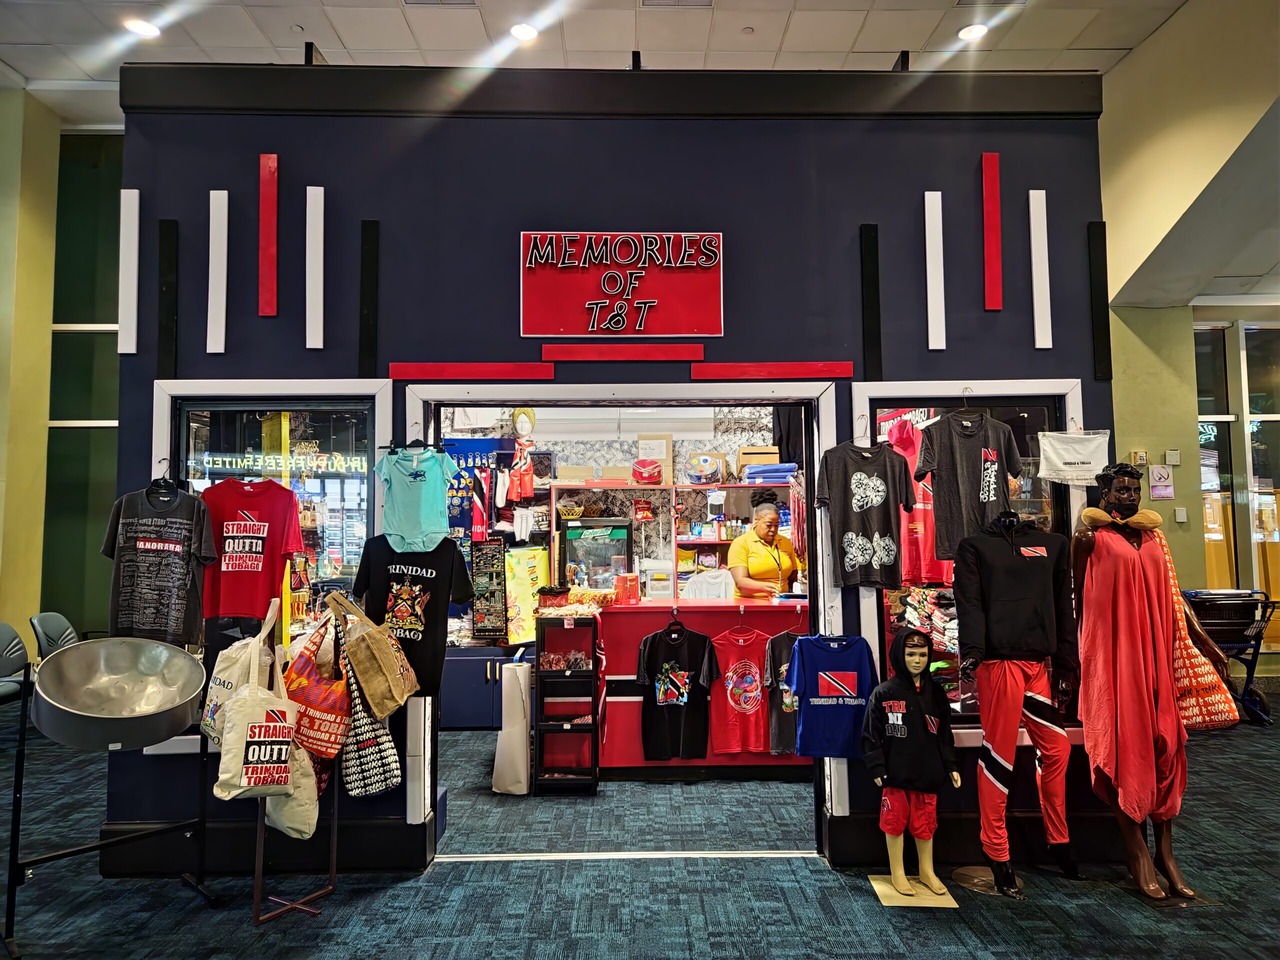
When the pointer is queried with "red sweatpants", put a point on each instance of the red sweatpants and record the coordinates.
(1009, 692)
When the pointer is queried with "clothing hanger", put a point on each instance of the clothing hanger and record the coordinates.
(163, 483)
(1008, 519)
(674, 627)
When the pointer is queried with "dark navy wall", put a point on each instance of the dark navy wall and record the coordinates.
(453, 195)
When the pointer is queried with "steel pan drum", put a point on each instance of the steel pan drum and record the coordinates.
(117, 693)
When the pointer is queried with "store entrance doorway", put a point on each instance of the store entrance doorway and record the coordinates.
(649, 810)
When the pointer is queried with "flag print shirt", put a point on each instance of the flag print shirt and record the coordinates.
(255, 530)
(831, 678)
(676, 670)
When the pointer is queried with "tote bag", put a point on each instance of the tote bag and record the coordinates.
(370, 764)
(297, 814)
(257, 738)
(324, 703)
(230, 672)
(375, 657)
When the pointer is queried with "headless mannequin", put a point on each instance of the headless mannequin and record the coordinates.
(1122, 499)
(917, 657)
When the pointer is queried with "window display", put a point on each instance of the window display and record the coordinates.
(865, 491)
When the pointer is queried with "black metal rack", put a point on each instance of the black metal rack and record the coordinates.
(565, 682)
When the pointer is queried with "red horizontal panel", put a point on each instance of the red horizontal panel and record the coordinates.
(622, 351)
(473, 371)
(818, 370)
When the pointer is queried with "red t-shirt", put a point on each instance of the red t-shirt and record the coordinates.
(739, 700)
(255, 530)
(920, 565)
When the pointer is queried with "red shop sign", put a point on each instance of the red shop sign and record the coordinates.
(621, 285)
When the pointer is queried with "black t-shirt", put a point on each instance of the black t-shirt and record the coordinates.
(865, 491)
(782, 702)
(410, 592)
(676, 670)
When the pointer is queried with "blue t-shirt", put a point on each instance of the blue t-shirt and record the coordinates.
(415, 517)
(832, 678)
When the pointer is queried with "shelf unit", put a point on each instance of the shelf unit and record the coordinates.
(550, 774)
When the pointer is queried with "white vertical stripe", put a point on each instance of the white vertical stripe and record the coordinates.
(216, 333)
(1040, 271)
(127, 311)
(315, 268)
(935, 285)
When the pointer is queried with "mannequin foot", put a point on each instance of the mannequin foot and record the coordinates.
(902, 884)
(936, 886)
(1167, 864)
(1066, 860)
(1005, 879)
(1138, 858)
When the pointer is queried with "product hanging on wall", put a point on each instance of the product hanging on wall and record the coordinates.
(920, 563)
(1073, 457)
(415, 517)
(677, 668)
(739, 704)
(256, 529)
(831, 678)
(865, 491)
(489, 581)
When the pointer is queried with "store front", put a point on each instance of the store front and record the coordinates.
(398, 303)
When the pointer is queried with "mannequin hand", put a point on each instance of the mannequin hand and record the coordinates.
(955, 778)
(967, 666)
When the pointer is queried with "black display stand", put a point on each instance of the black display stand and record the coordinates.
(553, 683)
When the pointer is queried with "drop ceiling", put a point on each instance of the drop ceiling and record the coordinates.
(69, 53)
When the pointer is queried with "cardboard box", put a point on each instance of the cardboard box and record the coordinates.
(567, 472)
(754, 455)
(660, 447)
(615, 473)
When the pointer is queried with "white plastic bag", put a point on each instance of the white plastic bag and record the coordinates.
(230, 672)
(297, 814)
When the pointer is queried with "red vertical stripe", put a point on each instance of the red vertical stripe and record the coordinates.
(268, 212)
(992, 267)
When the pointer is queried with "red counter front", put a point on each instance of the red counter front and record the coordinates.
(623, 627)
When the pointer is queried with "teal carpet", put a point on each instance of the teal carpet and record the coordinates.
(666, 908)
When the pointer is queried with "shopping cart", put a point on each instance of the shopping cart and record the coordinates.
(1236, 620)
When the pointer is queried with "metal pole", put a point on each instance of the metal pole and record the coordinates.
(15, 826)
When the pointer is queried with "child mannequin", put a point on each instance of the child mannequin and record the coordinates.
(909, 751)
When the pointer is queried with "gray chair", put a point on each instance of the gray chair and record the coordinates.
(53, 632)
(13, 657)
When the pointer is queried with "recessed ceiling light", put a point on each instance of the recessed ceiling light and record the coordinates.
(973, 31)
(748, 30)
(142, 28)
(296, 28)
(524, 32)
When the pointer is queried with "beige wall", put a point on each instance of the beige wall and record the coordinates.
(1174, 110)
(29, 135)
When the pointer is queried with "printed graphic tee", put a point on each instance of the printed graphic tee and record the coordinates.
(831, 677)
(865, 492)
(255, 531)
(410, 593)
(739, 701)
(970, 456)
(160, 541)
(920, 565)
(676, 670)
(415, 517)
(782, 702)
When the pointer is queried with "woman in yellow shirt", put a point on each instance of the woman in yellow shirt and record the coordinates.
(763, 562)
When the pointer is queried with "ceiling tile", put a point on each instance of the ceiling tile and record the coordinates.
(279, 3)
(809, 61)
(376, 29)
(747, 30)
(999, 21)
(821, 31)
(97, 107)
(740, 59)
(278, 24)
(1255, 258)
(338, 57)
(833, 4)
(1099, 60)
(443, 28)
(61, 23)
(1228, 286)
(224, 26)
(913, 4)
(361, 3)
(1121, 29)
(146, 53)
(897, 29)
(671, 59)
(1093, 4)
(932, 61)
(1019, 59)
(673, 30)
(605, 5)
(451, 58)
(1039, 29)
(870, 61)
(600, 30)
(599, 59)
(244, 55)
(40, 62)
(167, 19)
(387, 58)
(754, 4)
(14, 29)
(531, 57)
(97, 61)
(1268, 285)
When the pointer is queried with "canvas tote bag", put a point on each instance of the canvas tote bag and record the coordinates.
(375, 657)
(230, 672)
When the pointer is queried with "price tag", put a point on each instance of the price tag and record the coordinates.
(568, 623)
(568, 726)
(568, 673)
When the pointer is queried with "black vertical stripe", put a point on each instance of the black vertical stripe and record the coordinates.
(368, 351)
(167, 331)
(872, 355)
(1099, 309)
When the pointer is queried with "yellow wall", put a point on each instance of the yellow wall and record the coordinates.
(1155, 409)
(1174, 110)
(29, 135)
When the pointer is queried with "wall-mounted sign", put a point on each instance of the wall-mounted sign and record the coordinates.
(621, 285)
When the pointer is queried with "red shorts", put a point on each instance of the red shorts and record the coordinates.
(901, 810)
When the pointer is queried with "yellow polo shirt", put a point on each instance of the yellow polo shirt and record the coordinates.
(765, 563)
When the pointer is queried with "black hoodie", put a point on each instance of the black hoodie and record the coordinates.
(906, 734)
(1013, 596)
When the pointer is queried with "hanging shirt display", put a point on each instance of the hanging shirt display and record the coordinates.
(255, 530)
(159, 541)
(920, 565)
(1074, 458)
(864, 491)
(410, 593)
(677, 668)
(782, 702)
(416, 481)
(831, 677)
(970, 456)
(739, 706)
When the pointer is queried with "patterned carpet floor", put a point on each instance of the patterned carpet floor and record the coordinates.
(659, 908)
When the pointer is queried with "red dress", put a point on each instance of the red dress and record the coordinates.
(1128, 701)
